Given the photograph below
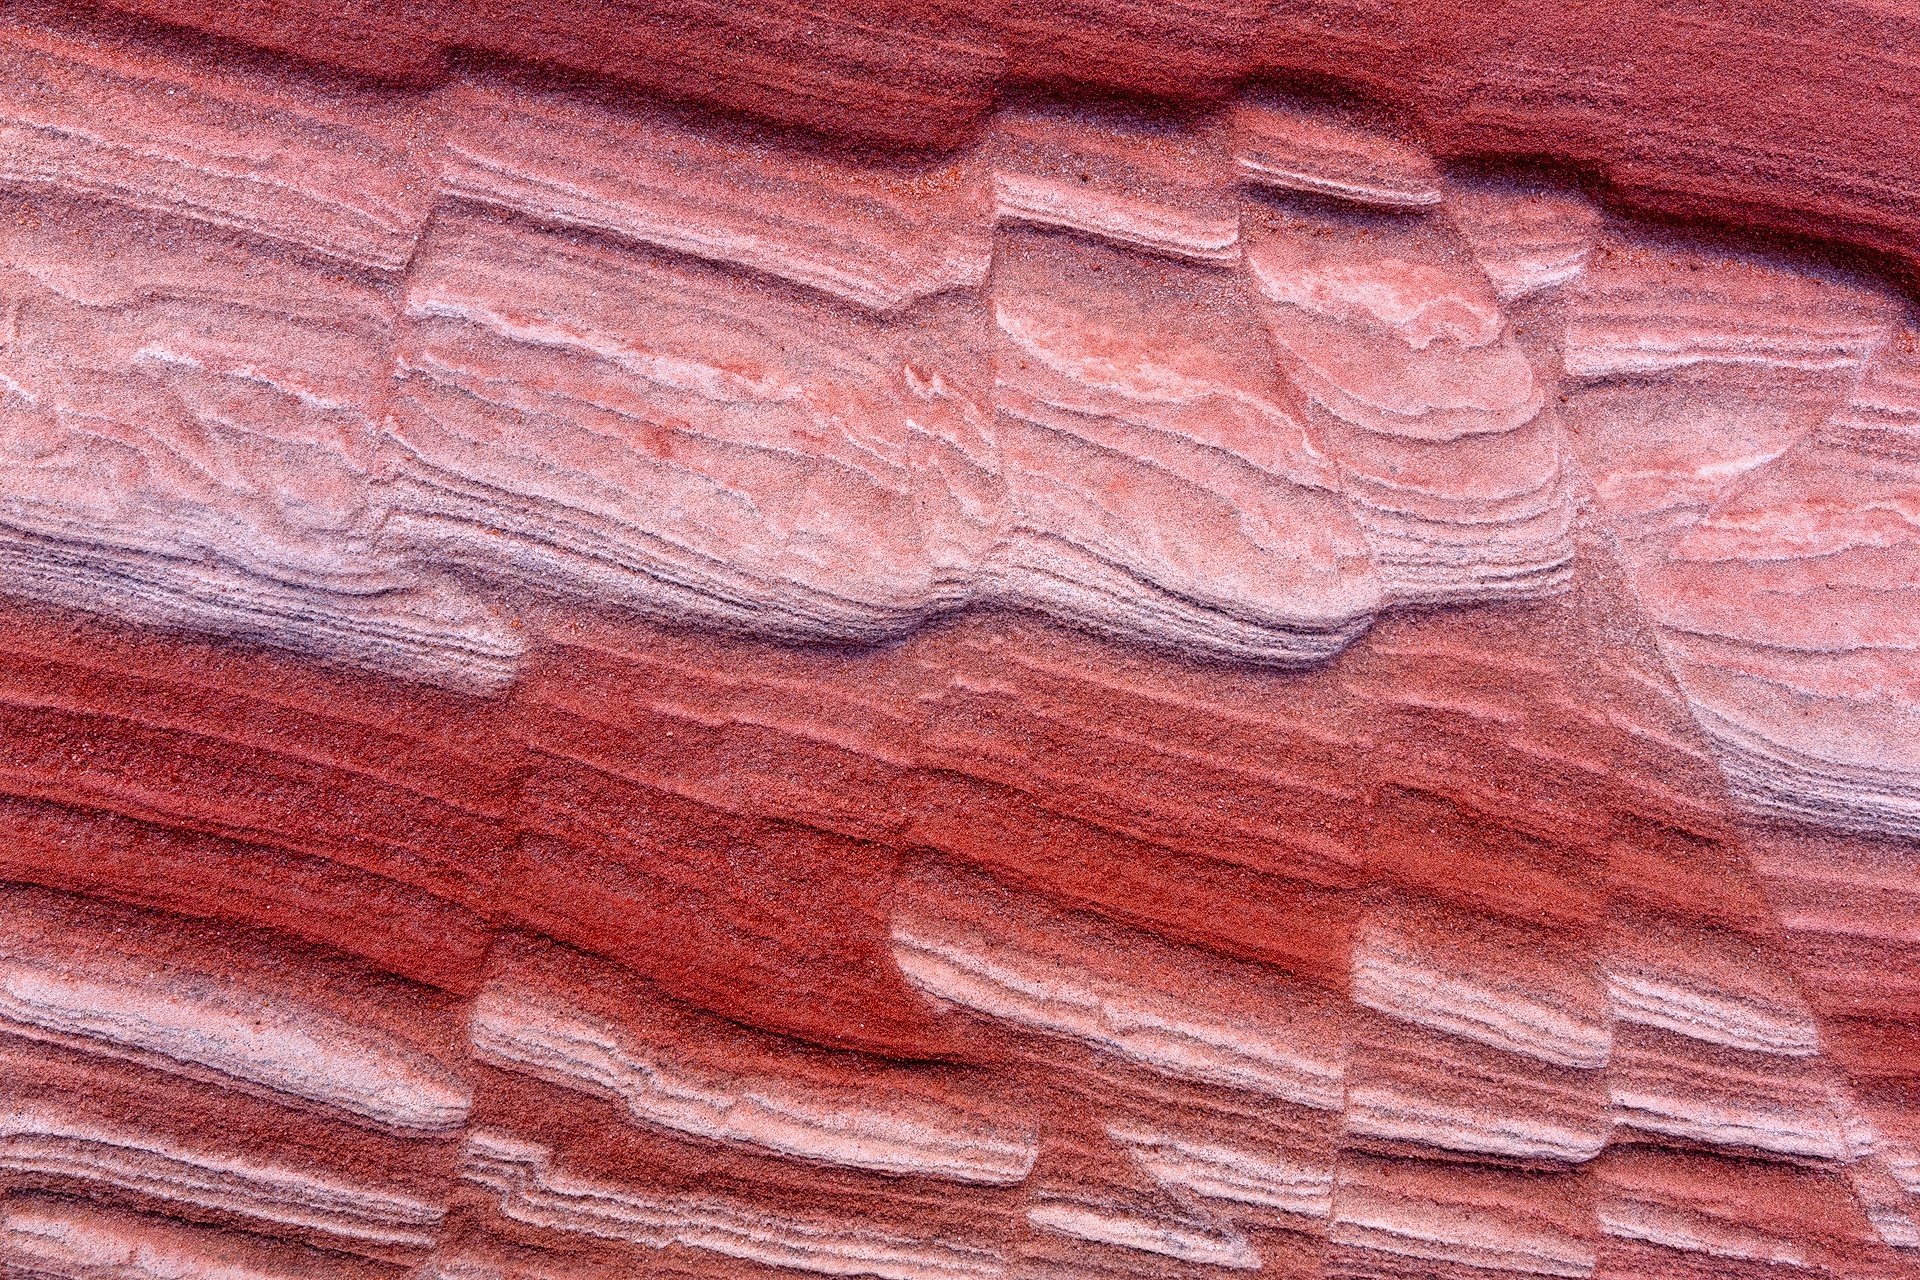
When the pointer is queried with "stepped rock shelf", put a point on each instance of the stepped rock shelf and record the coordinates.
(1076, 640)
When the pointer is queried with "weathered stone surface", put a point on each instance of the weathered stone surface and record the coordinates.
(1100, 685)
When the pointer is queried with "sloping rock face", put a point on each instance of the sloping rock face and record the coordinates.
(1095, 686)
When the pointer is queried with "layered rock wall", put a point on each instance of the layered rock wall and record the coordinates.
(1137, 691)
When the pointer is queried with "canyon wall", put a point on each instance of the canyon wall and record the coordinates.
(955, 646)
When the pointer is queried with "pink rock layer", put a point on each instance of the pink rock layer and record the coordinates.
(1794, 117)
(587, 690)
(349, 372)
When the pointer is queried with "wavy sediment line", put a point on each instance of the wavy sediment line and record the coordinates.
(864, 450)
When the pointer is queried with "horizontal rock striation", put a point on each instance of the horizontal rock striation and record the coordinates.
(1003, 949)
(287, 365)
(592, 689)
(1786, 117)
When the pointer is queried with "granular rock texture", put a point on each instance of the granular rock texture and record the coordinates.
(947, 645)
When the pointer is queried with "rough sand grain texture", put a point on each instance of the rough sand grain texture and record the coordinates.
(950, 644)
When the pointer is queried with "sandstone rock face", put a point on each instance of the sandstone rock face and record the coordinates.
(1098, 685)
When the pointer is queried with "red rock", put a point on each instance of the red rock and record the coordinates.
(930, 644)
(1431, 412)
(323, 170)
(1321, 155)
(646, 430)
(1753, 1220)
(1757, 500)
(880, 236)
(1133, 182)
(77, 1125)
(591, 1028)
(1162, 487)
(189, 441)
(1407, 1217)
(70, 1238)
(1527, 241)
(1787, 117)
(231, 1012)
(365, 816)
